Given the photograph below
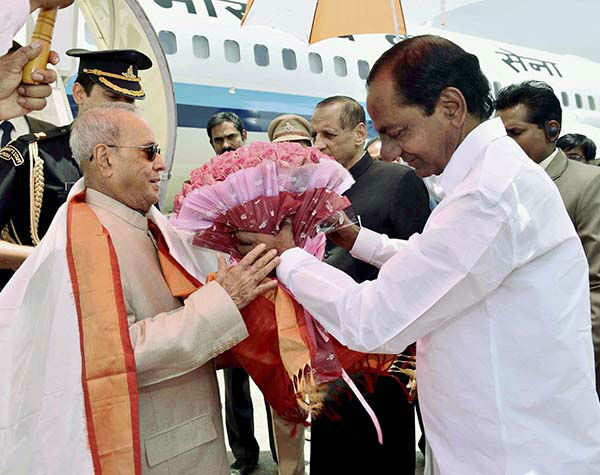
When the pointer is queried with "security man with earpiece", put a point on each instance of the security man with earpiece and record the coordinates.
(532, 115)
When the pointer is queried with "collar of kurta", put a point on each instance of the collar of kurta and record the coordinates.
(124, 212)
(468, 152)
(192, 262)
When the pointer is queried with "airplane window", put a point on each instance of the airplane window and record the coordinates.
(201, 47)
(363, 69)
(339, 65)
(315, 63)
(168, 41)
(565, 99)
(578, 101)
(261, 55)
(592, 103)
(497, 87)
(232, 51)
(288, 57)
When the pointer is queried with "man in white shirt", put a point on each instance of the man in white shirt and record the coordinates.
(532, 115)
(495, 289)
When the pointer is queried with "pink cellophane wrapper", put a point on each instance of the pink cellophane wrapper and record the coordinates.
(259, 198)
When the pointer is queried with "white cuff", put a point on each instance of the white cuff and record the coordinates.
(366, 245)
(290, 260)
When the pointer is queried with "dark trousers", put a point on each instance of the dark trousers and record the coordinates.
(239, 417)
(349, 445)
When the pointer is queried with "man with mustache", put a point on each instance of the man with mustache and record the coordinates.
(226, 133)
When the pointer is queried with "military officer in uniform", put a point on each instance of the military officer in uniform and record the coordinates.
(37, 170)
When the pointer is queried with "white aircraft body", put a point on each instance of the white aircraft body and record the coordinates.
(259, 72)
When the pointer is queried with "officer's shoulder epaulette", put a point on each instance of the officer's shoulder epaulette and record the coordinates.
(41, 136)
(53, 133)
(16, 150)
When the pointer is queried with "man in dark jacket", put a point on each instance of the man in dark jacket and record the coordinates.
(390, 198)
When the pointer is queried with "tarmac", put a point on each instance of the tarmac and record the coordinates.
(266, 465)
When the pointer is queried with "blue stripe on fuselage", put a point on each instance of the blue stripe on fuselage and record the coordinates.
(197, 103)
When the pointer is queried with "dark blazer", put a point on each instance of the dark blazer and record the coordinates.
(579, 186)
(390, 199)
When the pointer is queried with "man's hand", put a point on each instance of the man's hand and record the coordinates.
(281, 242)
(18, 99)
(243, 281)
(13, 255)
(47, 4)
(346, 233)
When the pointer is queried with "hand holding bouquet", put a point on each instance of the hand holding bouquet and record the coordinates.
(254, 189)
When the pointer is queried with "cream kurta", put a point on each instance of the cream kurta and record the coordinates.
(181, 429)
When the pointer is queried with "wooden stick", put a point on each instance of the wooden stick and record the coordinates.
(44, 28)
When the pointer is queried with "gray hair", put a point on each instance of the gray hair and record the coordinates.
(97, 125)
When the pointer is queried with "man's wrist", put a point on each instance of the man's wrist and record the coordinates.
(348, 236)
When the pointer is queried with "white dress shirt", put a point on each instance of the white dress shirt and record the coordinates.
(20, 127)
(14, 15)
(495, 292)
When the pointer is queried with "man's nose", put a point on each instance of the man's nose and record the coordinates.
(159, 162)
(319, 142)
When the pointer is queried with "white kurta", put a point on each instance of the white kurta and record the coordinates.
(495, 291)
(14, 15)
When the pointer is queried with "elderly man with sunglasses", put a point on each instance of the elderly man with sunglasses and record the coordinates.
(110, 329)
(37, 170)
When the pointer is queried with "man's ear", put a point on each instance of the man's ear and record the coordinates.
(360, 133)
(79, 94)
(552, 130)
(103, 160)
(452, 106)
(244, 135)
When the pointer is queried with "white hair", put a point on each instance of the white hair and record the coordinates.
(97, 125)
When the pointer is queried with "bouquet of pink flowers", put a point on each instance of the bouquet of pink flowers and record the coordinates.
(288, 354)
(255, 188)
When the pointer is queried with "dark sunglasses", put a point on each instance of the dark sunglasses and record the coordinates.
(151, 150)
